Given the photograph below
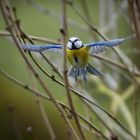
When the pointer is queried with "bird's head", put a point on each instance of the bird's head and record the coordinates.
(74, 43)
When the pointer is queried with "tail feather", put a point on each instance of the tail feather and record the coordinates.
(77, 71)
(82, 71)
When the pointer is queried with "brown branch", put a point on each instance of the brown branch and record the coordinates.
(135, 16)
(93, 28)
(42, 39)
(53, 67)
(64, 38)
(134, 7)
(46, 120)
(114, 63)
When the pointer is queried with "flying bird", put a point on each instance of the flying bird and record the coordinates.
(78, 54)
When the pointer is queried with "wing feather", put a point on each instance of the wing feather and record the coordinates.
(98, 47)
(40, 48)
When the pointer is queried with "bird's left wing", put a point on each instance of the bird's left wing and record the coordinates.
(98, 47)
(40, 48)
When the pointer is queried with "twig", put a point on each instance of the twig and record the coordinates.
(42, 39)
(14, 122)
(55, 15)
(136, 109)
(42, 111)
(114, 63)
(86, 12)
(135, 19)
(64, 37)
(46, 120)
(135, 98)
(25, 36)
(53, 67)
(93, 28)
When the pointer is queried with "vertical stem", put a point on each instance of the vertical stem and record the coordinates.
(135, 20)
(132, 5)
(14, 123)
(64, 37)
(42, 110)
(136, 111)
(46, 120)
(135, 99)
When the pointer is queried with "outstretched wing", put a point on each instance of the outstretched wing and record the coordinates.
(40, 48)
(98, 47)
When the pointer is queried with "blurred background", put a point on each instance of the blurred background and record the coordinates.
(118, 92)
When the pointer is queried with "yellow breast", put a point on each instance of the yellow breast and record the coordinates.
(78, 57)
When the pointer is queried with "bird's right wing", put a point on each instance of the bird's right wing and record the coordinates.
(39, 48)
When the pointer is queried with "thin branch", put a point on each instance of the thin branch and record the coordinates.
(114, 63)
(134, 17)
(46, 120)
(53, 67)
(136, 110)
(86, 12)
(42, 110)
(93, 28)
(135, 98)
(55, 15)
(64, 37)
(41, 39)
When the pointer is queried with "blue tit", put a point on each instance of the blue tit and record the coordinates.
(78, 54)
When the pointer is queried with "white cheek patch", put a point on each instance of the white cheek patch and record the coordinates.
(78, 44)
(69, 45)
